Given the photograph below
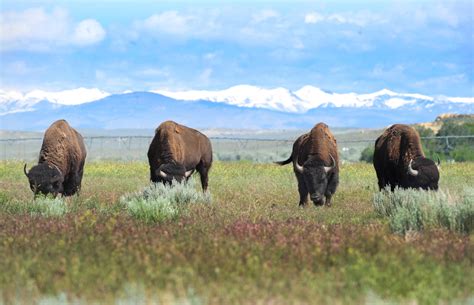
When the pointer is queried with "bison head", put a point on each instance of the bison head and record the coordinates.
(423, 173)
(316, 175)
(173, 171)
(45, 179)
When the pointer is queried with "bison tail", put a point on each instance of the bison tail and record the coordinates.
(289, 160)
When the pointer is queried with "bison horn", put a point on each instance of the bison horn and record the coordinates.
(298, 167)
(188, 173)
(412, 171)
(163, 174)
(439, 163)
(24, 170)
(328, 168)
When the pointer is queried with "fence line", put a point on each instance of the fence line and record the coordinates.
(224, 148)
(234, 138)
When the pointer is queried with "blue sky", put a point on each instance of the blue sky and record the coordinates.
(342, 46)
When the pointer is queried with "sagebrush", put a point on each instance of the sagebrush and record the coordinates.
(159, 202)
(412, 209)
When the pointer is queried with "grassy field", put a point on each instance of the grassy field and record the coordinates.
(251, 245)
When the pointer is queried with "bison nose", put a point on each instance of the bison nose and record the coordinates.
(317, 199)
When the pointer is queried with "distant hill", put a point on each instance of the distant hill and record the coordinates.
(436, 125)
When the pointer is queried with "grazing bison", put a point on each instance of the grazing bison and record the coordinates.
(399, 160)
(316, 165)
(61, 162)
(176, 151)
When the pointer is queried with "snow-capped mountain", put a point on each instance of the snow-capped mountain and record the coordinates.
(279, 99)
(237, 107)
(15, 101)
(309, 97)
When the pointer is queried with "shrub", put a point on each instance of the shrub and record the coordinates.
(158, 202)
(48, 206)
(410, 209)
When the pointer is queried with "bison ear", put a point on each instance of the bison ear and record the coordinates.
(177, 129)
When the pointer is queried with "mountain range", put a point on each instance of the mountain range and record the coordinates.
(240, 106)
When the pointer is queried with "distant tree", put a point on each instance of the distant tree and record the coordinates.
(430, 146)
(458, 149)
(367, 154)
(451, 128)
(424, 132)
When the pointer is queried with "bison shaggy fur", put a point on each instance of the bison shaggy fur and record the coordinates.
(399, 160)
(316, 165)
(61, 162)
(176, 151)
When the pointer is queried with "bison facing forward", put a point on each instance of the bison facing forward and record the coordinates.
(61, 162)
(399, 160)
(176, 151)
(318, 174)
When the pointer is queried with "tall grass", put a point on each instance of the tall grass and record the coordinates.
(411, 209)
(158, 202)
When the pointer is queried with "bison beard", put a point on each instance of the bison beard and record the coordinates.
(399, 160)
(318, 175)
(61, 162)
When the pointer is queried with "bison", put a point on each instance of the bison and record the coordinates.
(399, 160)
(316, 165)
(176, 151)
(61, 162)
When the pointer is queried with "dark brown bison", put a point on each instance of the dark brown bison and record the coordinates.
(316, 165)
(399, 160)
(176, 151)
(61, 162)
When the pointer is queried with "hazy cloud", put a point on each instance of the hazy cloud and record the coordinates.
(313, 18)
(362, 18)
(38, 30)
(88, 32)
(265, 15)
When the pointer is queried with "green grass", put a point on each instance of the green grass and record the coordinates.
(251, 245)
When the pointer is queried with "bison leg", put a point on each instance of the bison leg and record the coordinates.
(303, 191)
(381, 181)
(204, 174)
(331, 188)
(71, 185)
(328, 199)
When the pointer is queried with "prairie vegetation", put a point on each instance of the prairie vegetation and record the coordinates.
(250, 244)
